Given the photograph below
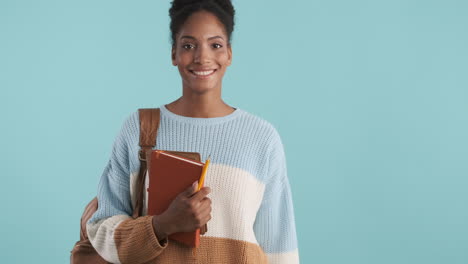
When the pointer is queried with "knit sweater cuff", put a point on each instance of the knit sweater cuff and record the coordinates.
(136, 241)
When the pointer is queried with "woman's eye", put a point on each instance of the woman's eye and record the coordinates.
(187, 46)
(217, 46)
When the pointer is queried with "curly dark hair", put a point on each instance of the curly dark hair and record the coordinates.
(181, 9)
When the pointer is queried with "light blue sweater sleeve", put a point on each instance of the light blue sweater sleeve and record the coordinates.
(115, 235)
(114, 188)
(274, 226)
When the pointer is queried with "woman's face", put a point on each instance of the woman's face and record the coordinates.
(201, 52)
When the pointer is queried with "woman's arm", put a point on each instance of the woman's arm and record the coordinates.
(274, 226)
(116, 236)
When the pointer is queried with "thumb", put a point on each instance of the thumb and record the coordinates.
(192, 189)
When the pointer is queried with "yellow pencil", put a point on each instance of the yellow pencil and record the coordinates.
(203, 174)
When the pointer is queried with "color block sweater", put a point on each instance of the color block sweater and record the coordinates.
(252, 210)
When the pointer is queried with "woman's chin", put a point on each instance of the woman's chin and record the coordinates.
(200, 89)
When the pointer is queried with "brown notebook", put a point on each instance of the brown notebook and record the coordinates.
(171, 173)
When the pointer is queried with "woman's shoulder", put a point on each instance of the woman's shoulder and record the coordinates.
(130, 127)
(131, 122)
(264, 130)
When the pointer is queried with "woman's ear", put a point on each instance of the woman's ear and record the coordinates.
(173, 55)
(229, 50)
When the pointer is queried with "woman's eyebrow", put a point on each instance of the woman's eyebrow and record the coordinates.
(215, 37)
(210, 38)
(189, 37)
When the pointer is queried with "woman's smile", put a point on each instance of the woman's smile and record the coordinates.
(202, 74)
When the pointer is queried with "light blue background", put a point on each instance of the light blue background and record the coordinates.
(370, 98)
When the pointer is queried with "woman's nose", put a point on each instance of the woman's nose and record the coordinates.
(202, 55)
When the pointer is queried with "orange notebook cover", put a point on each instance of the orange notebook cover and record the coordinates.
(169, 175)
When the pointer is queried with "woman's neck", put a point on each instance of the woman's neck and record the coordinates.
(201, 107)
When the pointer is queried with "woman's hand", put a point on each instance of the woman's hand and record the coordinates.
(189, 211)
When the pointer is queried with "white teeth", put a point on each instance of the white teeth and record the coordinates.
(203, 72)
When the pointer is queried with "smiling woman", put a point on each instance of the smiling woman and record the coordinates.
(249, 212)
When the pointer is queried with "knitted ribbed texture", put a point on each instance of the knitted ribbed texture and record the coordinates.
(136, 241)
(253, 216)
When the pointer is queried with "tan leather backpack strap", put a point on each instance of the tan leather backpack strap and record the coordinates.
(149, 124)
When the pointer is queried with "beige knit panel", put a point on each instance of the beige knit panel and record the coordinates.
(136, 241)
(212, 250)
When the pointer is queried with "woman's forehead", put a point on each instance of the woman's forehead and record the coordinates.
(202, 25)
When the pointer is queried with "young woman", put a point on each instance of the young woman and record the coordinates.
(250, 212)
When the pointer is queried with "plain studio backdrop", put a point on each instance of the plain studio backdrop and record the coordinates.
(370, 99)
